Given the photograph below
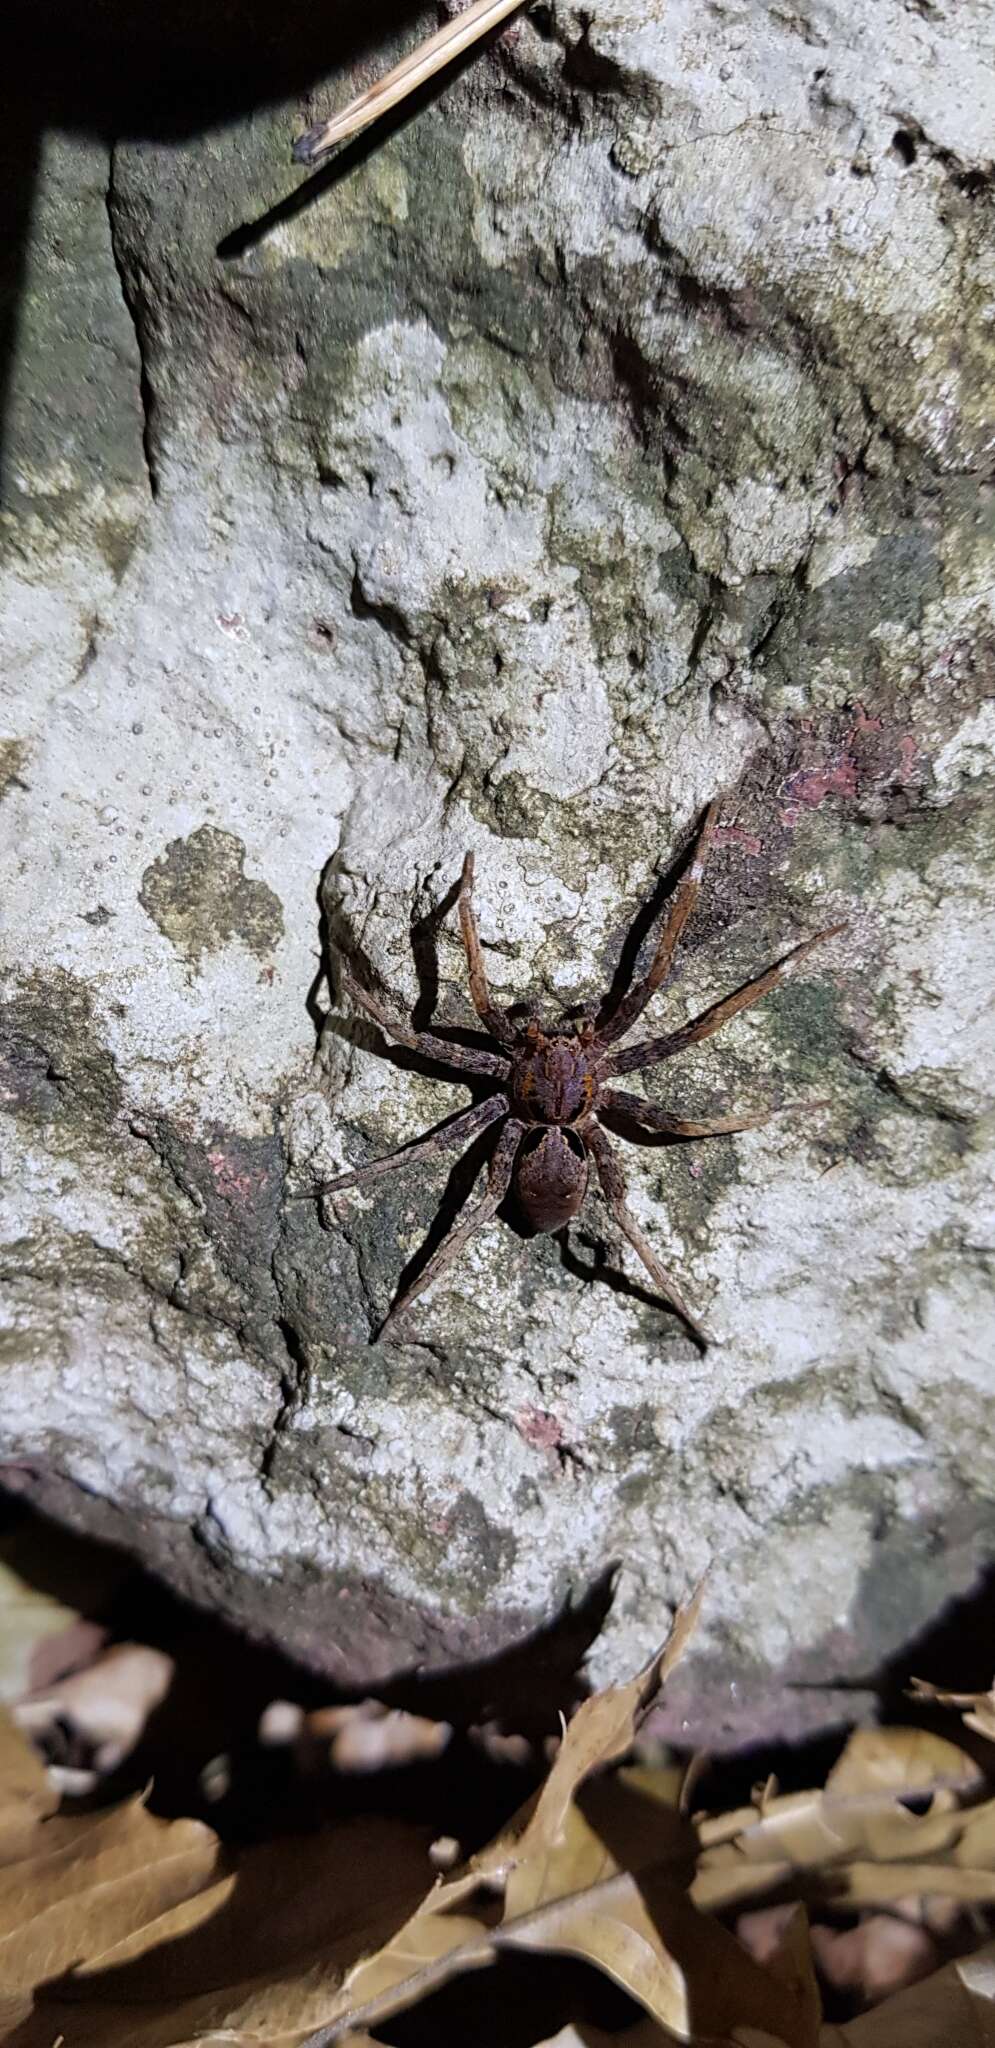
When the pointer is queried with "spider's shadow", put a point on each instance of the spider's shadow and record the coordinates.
(602, 1270)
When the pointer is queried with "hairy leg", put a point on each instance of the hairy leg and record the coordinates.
(455, 1133)
(612, 1181)
(499, 1175)
(623, 1015)
(496, 1021)
(465, 1057)
(653, 1119)
(633, 1057)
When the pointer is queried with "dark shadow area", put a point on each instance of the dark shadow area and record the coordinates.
(351, 156)
(323, 973)
(223, 1682)
(108, 70)
(521, 2000)
(955, 1651)
(20, 151)
(425, 952)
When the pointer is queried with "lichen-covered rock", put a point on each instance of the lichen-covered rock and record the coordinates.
(616, 431)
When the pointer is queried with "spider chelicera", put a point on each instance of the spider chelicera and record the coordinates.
(551, 1089)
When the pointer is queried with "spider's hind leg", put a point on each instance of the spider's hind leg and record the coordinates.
(454, 1133)
(497, 1023)
(499, 1175)
(613, 1185)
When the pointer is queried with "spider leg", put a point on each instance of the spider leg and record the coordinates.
(623, 1015)
(633, 1057)
(499, 1174)
(613, 1184)
(454, 1133)
(496, 1021)
(653, 1119)
(470, 1059)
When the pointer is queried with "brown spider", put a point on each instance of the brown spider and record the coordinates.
(550, 1087)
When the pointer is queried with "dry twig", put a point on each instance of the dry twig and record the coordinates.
(415, 70)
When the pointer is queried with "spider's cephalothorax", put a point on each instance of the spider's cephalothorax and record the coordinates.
(551, 1092)
(553, 1077)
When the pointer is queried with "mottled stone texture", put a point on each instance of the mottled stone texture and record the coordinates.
(616, 431)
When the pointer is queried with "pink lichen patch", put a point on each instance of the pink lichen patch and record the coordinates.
(866, 756)
(539, 1428)
(907, 751)
(235, 1181)
(810, 788)
(233, 624)
(735, 835)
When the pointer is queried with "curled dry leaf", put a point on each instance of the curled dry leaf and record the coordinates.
(903, 1761)
(857, 1842)
(978, 1708)
(69, 1889)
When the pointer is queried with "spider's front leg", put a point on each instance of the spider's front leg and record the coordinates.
(615, 1020)
(613, 1185)
(471, 1059)
(634, 1057)
(497, 1023)
(499, 1175)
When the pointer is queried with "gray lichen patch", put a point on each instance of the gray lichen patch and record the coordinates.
(13, 756)
(201, 898)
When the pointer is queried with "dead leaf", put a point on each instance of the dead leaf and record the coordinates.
(900, 1760)
(978, 1708)
(26, 1797)
(103, 1876)
(260, 1954)
(825, 1843)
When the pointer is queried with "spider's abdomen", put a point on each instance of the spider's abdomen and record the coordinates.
(551, 1178)
(552, 1081)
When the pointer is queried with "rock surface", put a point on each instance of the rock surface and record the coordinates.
(615, 431)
